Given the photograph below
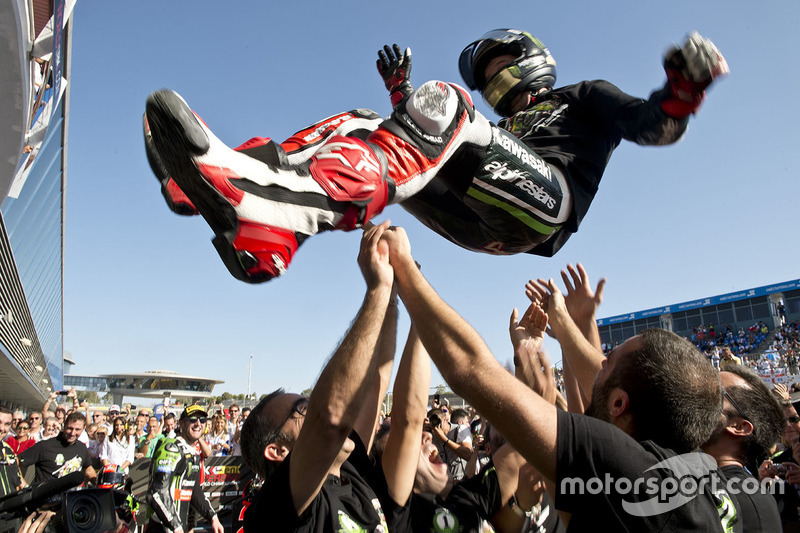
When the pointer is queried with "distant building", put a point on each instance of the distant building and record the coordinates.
(155, 384)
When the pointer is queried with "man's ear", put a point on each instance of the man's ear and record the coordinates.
(275, 452)
(618, 402)
(739, 427)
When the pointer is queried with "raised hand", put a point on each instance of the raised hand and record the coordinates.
(581, 302)
(395, 69)
(373, 257)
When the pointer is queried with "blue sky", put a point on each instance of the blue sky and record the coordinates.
(144, 289)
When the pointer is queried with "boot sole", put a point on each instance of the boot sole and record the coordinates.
(178, 138)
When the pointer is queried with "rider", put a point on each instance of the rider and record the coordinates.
(521, 187)
(175, 477)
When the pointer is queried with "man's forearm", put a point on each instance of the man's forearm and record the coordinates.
(583, 359)
(522, 416)
(387, 341)
(339, 392)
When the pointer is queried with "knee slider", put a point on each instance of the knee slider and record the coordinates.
(352, 171)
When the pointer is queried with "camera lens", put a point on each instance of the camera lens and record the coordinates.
(84, 514)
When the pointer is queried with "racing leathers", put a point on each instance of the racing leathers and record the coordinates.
(526, 185)
(521, 187)
(175, 474)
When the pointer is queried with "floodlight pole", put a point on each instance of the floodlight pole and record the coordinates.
(249, 375)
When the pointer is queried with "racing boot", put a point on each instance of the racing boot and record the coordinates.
(261, 212)
(295, 150)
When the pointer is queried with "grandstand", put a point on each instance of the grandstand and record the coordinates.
(740, 309)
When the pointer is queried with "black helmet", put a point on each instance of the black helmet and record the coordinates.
(533, 68)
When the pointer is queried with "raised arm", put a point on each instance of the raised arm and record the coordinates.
(584, 359)
(368, 417)
(409, 407)
(340, 392)
(522, 416)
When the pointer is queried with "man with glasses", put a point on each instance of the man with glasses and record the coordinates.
(313, 452)
(751, 423)
(35, 421)
(175, 478)
(99, 417)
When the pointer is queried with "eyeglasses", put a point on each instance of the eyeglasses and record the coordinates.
(300, 407)
(734, 404)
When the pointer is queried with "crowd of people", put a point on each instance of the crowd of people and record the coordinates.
(649, 436)
(501, 464)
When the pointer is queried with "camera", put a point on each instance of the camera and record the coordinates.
(76, 511)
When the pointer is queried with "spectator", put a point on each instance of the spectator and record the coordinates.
(113, 412)
(99, 417)
(170, 425)
(51, 428)
(141, 423)
(218, 437)
(17, 417)
(148, 443)
(728, 360)
(62, 455)
(22, 441)
(35, 420)
(11, 479)
(655, 397)
(97, 444)
(233, 422)
(751, 424)
(453, 440)
(119, 447)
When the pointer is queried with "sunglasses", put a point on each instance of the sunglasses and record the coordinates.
(195, 419)
(734, 404)
(23, 428)
(793, 419)
(300, 408)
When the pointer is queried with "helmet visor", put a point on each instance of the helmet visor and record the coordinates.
(474, 53)
(501, 85)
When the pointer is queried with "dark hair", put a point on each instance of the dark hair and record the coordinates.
(258, 431)
(762, 410)
(675, 394)
(458, 414)
(435, 418)
(170, 416)
(6, 411)
(73, 417)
